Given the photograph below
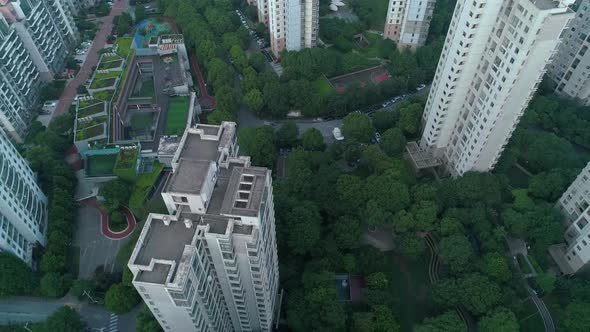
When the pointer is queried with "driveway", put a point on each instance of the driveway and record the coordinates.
(69, 93)
(95, 248)
(30, 309)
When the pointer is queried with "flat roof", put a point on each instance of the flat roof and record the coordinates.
(200, 149)
(189, 176)
(156, 276)
(244, 191)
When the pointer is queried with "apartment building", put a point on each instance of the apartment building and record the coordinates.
(23, 206)
(407, 22)
(262, 8)
(211, 263)
(492, 61)
(575, 205)
(302, 22)
(277, 26)
(570, 69)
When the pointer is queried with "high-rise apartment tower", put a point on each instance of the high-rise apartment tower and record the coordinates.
(302, 22)
(23, 207)
(407, 21)
(570, 69)
(211, 263)
(493, 58)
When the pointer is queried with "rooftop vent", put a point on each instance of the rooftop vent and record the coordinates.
(188, 223)
(166, 220)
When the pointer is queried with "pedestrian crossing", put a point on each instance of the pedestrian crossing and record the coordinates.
(113, 323)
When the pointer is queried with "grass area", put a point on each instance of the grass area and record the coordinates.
(110, 64)
(108, 58)
(529, 318)
(176, 117)
(374, 48)
(142, 121)
(524, 266)
(100, 165)
(124, 46)
(409, 284)
(118, 226)
(90, 110)
(104, 83)
(90, 132)
(142, 189)
(146, 90)
(104, 95)
(125, 165)
(104, 76)
(123, 77)
(91, 123)
(517, 178)
(322, 86)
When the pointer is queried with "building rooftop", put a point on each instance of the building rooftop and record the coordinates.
(244, 191)
(168, 145)
(156, 276)
(200, 149)
(188, 177)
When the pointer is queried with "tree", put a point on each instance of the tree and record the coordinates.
(478, 293)
(287, 135)
(550, 185)
(448, 321)
(312, 140)
(577, 317)
(140, 13)
(347, 188)
(501, 319)
(358, 127)
(385, 119)
(53, 262)
(546, 282)
(258, 143)
(15, 276)
(496, 267)
(455, 251)
(146, 322)
(217, 117)
(257, 61)
(54, 284)
(65, 319)
(254, 100)
(393, 142)
(410, 245)
(409, 120)
(120, 299)
(239, 57)
(449, 226)
(379, 319)
(377, 280)
(304, 226)
(114, 193)
(226, 100)
(347, 232)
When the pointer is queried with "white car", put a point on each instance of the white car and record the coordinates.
(337, 134)
(420, 87)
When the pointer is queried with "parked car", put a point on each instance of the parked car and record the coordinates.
(420, 87)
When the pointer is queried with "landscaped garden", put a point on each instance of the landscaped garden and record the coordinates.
(104, 65)
(100, 164)
(124, 46)
(143, 186)
(126, 162)
(176, 117)
(90, 132)
(97, 107)
(104, 83)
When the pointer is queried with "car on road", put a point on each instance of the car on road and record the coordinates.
(420, 87)
(337, 134)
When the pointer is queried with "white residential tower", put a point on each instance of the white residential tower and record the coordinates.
(408, 21)
(211, 263)
(493, 58)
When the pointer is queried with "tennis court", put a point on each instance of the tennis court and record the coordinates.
(370, 76)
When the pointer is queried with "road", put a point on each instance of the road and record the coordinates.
(27, 309)
(247, 119)
(69, 93)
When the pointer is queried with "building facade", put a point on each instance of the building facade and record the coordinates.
(262, 8)
(407, 21)
(302, 23)
(211, 263)
(492, 61)
(575, 205)
(277, 26)
(23, 206)
(35, 37)
(570, 69)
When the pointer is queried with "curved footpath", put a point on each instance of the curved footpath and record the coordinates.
(433, 274)
(106, 231)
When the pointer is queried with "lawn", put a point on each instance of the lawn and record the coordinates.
(322, 86)
(177, 113)
(100, 165)
(110, 64)
(124, 46)
(146, 90)
(529, 318)
(104, 76)
(104, 95)
(90, 132)
(141, 121)
(91, 123)
(97, 84)
(90, 110)
(517, 178)
(143, 186)
(409, 284)
(123, 78)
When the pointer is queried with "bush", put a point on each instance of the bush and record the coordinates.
(54, 284)
(15, 276)
(120, 299)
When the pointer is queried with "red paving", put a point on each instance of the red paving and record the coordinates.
(73, 158)
(105, 221)
(381, 78)
(67, 97)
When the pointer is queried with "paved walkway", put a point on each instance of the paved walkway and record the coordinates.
(131, 222)
(69, 93)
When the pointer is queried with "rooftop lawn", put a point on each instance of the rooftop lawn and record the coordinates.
(146, 90)
(123, 77)
(176, 117)
(90, 132)
(100, 165)
(110, 74)
(90, 110)
(110, 64)
(97, 84)
(104, 95)
(142, 121)
(124, 46)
